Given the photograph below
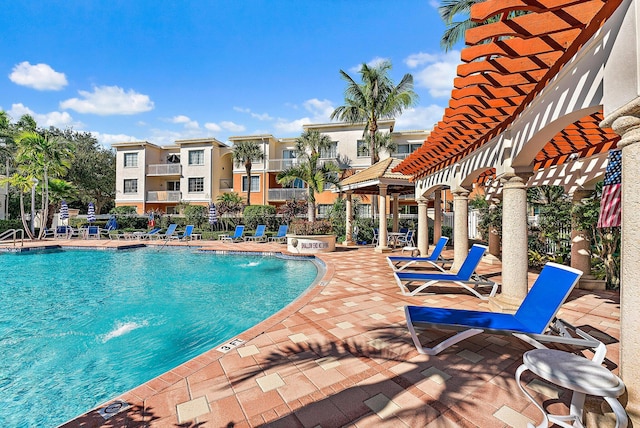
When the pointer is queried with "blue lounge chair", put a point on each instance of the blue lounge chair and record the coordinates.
(464, 277)
(237, 235)
(188, 230)
(64, 232)
(171, 229)
(259, 236)
(532, 322)
(150, 234)
(281, 236)
(434, 259)
(93, 232)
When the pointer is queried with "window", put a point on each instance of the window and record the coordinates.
(288, 154)
(364, 210)
(255, 183)
(363, 148)
(196, 157)
(196, 184)
(323, 210)
(131, 185)
(331, 152)
(130, 160)
(173, 186)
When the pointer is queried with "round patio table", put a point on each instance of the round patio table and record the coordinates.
(578, 374)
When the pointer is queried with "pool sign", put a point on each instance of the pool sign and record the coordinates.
(230, 345)
(113, 409)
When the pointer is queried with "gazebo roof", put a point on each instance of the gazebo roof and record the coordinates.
(505, 65)
(368, 180)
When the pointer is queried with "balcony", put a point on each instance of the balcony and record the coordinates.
(287, 194)
(282, 164)
(164, 196)
(164, 169)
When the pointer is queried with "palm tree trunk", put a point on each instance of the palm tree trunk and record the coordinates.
(248, 168)
(311, 211)
(25, 226)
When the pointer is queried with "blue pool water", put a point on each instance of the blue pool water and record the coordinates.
(79, 327)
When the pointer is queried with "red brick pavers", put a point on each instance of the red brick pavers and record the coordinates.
(341, 356)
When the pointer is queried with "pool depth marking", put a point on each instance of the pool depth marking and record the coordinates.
(233, 343)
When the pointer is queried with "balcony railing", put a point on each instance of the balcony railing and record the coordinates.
(164, 169)
(226, 183)
(282, 164)
(287, 194)
(166, 196)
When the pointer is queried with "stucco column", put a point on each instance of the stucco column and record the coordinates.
(494, 235)
(626, 123)
(515, 266)
(437, 216)
(396, 214)
(460, 227)
(423, 227)
(382, 225)
(348, 240)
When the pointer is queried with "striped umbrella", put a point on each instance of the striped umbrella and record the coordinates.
(213, 214)
(64, 210)
(91, 213)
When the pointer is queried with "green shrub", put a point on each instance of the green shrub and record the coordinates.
(259, 214)
(195, 214)
(10, 224)
(124, 210)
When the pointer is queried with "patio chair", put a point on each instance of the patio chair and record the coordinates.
(259, 235)
(150, 234)
(93, 232)
(171, 229)
(188, 230)
(535, 321)
(407, 240)
(465, 277)
(63, 232)
(237, 235)
(376, 237)
(434, 259)
(281, 236)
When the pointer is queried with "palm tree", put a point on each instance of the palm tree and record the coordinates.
(42, 157)
(375, 98)
(310, 169)
(382, 141)
(244, 153)
(455, 29)
(23, 184)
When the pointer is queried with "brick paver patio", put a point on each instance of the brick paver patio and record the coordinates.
(341, 356)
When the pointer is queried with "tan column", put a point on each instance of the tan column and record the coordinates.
(382, 225)
(348, 240)
(626, 122)
(494, 235)
(437, 216)
(460, 227)
(396, 214)
(423, 227)
(515, 266)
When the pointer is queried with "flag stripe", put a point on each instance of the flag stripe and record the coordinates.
(611, 202)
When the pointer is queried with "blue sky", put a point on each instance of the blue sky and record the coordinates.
(161, 71)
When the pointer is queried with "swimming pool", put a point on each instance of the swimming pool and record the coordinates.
(80, 327)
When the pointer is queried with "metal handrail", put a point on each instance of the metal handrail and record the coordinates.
(13, 232)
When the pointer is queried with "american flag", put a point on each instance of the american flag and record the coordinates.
(610, 203)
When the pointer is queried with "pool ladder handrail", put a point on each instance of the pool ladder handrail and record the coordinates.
(7, 234)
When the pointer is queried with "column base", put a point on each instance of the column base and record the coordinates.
(504, 304)
(383, 249)
(348, 243)
(592, 284)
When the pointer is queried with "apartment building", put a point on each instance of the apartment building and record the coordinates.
(198, 171)
(152, 177)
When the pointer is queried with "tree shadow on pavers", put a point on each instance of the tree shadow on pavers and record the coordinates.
(133, 416)
(393, 379)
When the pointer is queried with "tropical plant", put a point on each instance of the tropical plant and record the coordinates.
(338, 216)
(259, 214)
(292, 209)
(382, 141)
(229, 203)
(22, 184)
(310, 169)
(374, 99)
(320, 227)
(245, 153)
(195, 214)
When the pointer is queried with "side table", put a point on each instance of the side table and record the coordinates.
(575, 373)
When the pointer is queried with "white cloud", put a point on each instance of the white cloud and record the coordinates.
(108, 139)
(188, 123)
(434, 3)
(262, 116)
(320, 111)
(420, 117)
(376, 61)
(40, 76)
(213, 127)
(292, 126)
(55, 118)
(438, 74)
(109, 100)
(233, 127)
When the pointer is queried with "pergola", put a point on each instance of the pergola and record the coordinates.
(378, 179)
(544, 83)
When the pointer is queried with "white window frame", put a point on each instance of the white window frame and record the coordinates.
(131, 156)
(193, 180)
(365, 146)
(131, 181)
(199, 154)
(331, 152)
(173, 183)
(253, 188)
